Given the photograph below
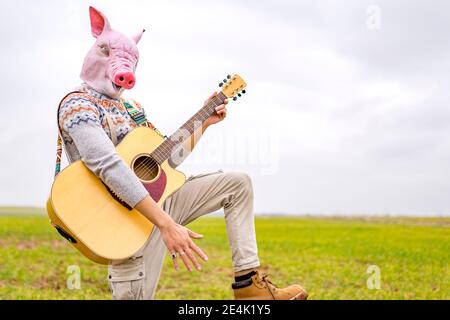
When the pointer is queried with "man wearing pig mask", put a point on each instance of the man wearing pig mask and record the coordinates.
(94, 119)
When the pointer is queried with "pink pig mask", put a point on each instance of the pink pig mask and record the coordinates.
(110, 64)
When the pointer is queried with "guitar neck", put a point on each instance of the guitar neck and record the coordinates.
(165, 149)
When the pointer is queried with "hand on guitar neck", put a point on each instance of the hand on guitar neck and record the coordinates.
(218, 116)
(221, 111)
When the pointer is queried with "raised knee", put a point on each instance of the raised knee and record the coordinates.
(241, 179)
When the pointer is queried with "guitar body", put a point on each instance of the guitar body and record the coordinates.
(94, 220)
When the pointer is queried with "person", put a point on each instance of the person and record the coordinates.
(93, 119)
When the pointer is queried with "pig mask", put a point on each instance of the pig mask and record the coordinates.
(110, 64)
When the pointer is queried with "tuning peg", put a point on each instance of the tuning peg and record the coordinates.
(225, 80)
(220, 84)
(239, 95)
(243, 91)
(234, 98)
(228, 77)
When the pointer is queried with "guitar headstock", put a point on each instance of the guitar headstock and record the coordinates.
(233, 86)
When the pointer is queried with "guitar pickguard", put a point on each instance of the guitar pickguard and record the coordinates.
(156, 188)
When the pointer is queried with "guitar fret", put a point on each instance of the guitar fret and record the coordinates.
(165, 149)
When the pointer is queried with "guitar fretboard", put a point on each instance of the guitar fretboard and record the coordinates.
(165, 149)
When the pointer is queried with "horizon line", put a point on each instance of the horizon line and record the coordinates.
(36, 210)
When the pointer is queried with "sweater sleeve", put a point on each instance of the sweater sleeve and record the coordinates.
(81, 122)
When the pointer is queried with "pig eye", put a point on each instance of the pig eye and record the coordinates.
(104, 49)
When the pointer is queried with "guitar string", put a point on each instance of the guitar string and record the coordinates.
(158, 154)
(166, 150)
(148, 165)
(144, 168)
(163, 148)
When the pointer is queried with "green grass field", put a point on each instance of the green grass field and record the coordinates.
(329, 256)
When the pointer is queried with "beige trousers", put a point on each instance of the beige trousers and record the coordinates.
(137, 277)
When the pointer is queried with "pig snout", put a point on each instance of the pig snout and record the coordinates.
(125, 79)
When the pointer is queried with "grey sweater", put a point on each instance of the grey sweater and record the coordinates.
(87, 137)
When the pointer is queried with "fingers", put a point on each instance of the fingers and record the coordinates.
(189, 258)
(221, 111)
(193, 259)
(222, 106)
(219, 108)
(174, 255)
(175, 264)
(225, 102)
(185, 251)
(210, 97)
(184, 257)
(194, 235)
(194, 247)
(199, 251)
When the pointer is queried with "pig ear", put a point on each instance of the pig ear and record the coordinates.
(137, 36)
(99, 23)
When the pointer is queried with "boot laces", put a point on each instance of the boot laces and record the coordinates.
(269, 284)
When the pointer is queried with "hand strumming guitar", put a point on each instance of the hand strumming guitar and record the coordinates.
(177, 238)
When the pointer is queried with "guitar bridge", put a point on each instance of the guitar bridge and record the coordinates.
(117, 198)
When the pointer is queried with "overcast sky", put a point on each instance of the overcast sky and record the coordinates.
(346, 113)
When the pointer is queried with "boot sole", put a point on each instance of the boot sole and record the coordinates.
(301, 296)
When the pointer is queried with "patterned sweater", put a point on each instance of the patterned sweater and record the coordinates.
(87, 136)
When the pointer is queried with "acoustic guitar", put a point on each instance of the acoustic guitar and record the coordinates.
(99, 224)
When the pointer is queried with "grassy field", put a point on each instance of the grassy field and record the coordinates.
(329, 256)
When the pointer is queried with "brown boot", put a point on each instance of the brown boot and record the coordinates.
(259, 287)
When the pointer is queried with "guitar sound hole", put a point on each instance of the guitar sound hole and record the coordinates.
(145, 168)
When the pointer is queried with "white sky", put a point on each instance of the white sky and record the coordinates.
(339, 118)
